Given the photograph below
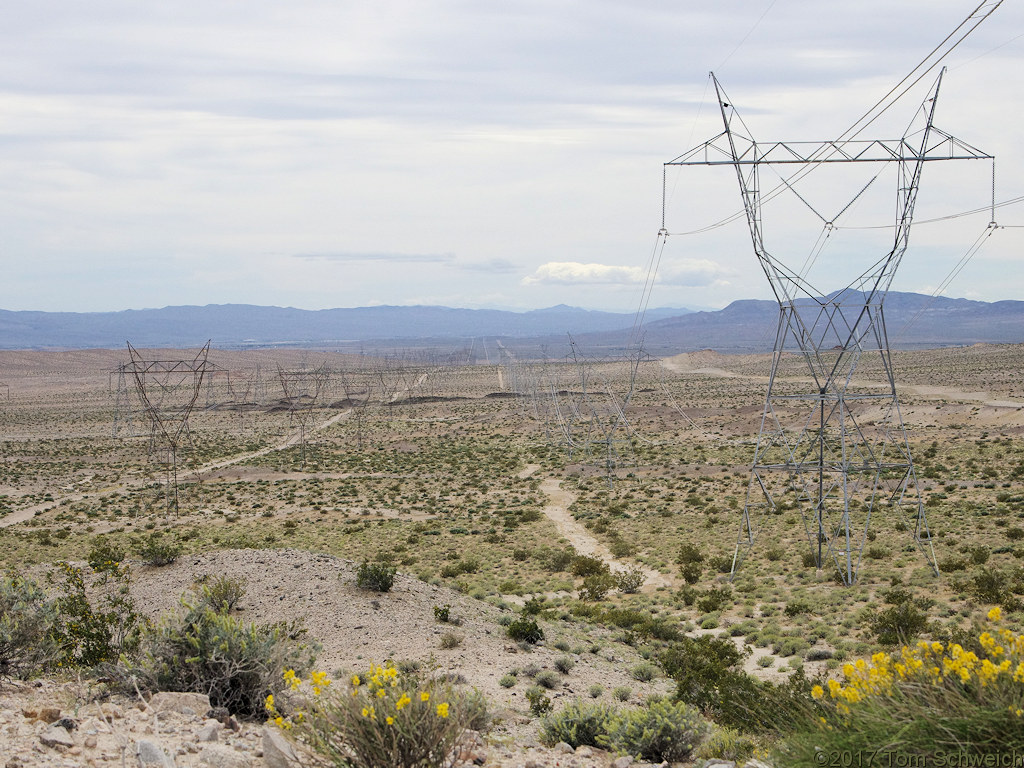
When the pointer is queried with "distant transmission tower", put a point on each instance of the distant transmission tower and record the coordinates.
(838, 451)
(168, 391)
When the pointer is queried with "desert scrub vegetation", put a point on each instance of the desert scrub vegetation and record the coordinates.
(660, 731)
(931, 700)
(377, 577)
(380, 718)
(204, 649)
(27, 618)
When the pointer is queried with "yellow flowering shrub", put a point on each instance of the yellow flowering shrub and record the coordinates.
(930, 699)
(381, 719)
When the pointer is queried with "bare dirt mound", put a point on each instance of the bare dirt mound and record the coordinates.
(357, 626)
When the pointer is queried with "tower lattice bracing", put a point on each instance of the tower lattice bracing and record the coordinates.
(830, 445)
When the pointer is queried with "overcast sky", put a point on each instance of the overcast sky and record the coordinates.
(471, 153)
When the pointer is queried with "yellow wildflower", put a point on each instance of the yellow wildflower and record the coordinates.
(402, 702)
(425, 696)
(292, 679)
(380, 693)
(817, 692)
(269, 705)
(995, 614)
(442, 709)
(390, 720)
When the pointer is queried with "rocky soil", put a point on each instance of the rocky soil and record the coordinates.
(76, 722)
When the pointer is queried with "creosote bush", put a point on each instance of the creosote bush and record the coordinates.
(378, 577)
(525, 630)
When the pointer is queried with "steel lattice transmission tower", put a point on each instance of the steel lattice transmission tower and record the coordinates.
(838, 450)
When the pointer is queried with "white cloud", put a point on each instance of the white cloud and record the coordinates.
(574, 273)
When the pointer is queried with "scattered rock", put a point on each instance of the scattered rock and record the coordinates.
(717, 762)
(584, 751)
(622, 762)
(220, 756)
(151, 754)
(277, 751)
(564, 749)
(56, 736)
(183, 703)
(752, 763)
(210, 731)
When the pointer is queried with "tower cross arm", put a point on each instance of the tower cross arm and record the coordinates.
(717, 151)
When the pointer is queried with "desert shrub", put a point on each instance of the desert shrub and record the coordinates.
(222, 593)
(525, 630)
(709, 676)
(535, 606)
(540, 704)
(595, 690)
(577, 724)
(596, 586)
(689, 553)
(662, 731)
(559, 559)
(979, 555)
(630, 580)
(26, 623)
(508, 680)
(583, 565)
(451, 640)
(548, 678)
(382, 718)
(442, 613)
(991, 585)
(726, 744)
(204, 650)
(644, 672)
(952, 563)
(797, 607)
(90, 633)
(564, 664)
(105, 557)
(900, 624)
(155, 550)
(967, 707)
(622, 692)
(691, 572)
(378, 577)
(714, 599)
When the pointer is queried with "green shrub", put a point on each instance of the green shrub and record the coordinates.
(524, 630)
(630, 580)
(90, 633)
(26, 624)
(644, 672)
(714, 599)
(207, 651)
(222, 593)
(378, 577)
(154, 550)
(662, 731)
(709, 676)
(442, 613)
(383, 718)
(584, 565)
(622, 692)
(691, 572)
(577, 724)
(901, 623)
(540, 704)
(726, 744)
(595, 690)
(564, 664)
(596, 587)
(508, 680)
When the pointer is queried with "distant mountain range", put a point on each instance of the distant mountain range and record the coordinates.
(912, 320)
(236, 325)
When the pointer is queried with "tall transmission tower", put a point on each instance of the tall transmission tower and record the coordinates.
(838, 451)
(168, 391)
